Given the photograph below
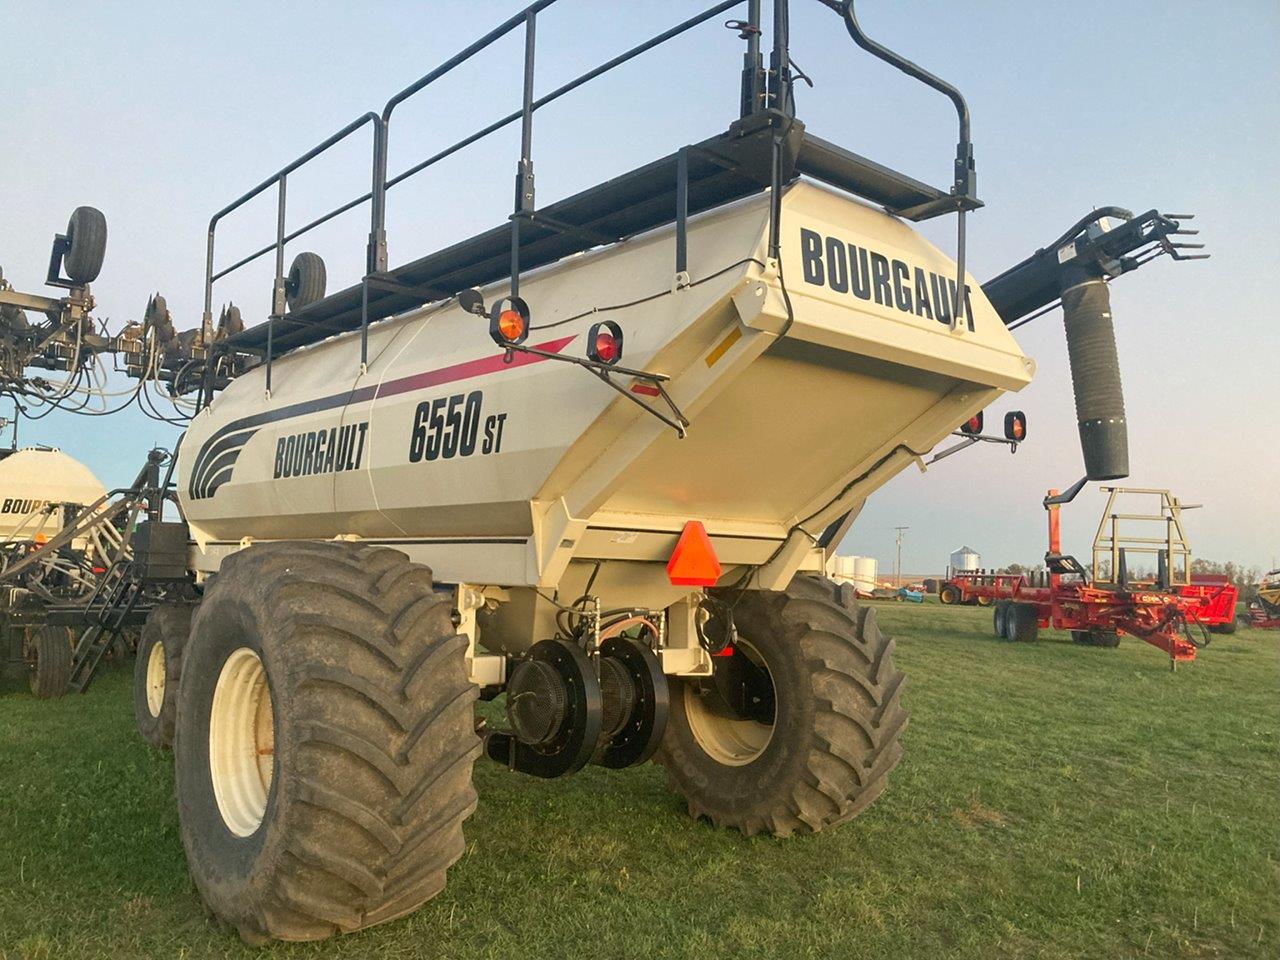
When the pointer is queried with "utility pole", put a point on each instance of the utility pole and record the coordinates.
(897, 571)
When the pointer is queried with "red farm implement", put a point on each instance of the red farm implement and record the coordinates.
(1171, 610)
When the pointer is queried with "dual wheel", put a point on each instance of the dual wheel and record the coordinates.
(1018, 622)
(325, 732)
(1015, 622)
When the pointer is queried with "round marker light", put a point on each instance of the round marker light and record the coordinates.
(510, 325)
(509, 321)
(604, 342)
(606, 347)
(1015, 426)
(972, 426)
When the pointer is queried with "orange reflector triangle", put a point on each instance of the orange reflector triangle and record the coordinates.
(693, 562)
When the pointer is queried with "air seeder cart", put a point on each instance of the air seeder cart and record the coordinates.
(593, 459)
(1173, 610)
(1264, 605)
(49, 556)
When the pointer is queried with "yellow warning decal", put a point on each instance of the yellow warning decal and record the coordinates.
(723, 346)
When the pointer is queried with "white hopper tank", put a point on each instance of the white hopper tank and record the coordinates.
(550, 471)
(33, 480)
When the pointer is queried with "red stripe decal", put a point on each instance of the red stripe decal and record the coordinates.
(646, 390)
(469, 369)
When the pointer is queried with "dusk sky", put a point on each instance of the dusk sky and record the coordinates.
(159, 114)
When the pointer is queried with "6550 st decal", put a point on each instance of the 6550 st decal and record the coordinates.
(449, 427)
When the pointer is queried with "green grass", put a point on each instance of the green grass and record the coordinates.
(1054, 801)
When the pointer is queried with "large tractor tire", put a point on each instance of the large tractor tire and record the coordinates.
(1227, 627)
(325, 740)
(1021, 624)
(949, 593)
(157, 672)
(812, 741)
(49, 658)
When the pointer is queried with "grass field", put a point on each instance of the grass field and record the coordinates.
(1054, 801)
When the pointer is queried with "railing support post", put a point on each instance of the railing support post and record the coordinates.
(682, 215)
(524, 203)
(279, 299)
(780, 60)
(376, 258)
(753, 75)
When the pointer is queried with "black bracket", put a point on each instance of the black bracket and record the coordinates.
(968, 441)
(1067, 495)
(655, 381)
(1065, 565)
(60, 247)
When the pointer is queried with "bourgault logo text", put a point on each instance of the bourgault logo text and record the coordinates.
(868, 275)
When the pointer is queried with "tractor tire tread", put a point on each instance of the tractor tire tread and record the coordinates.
(169, 623)
(52, 670)
(378, 775)
(858, 716)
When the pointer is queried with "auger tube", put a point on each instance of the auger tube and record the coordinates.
(1095, 376)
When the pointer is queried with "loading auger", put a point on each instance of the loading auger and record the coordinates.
(443, 482)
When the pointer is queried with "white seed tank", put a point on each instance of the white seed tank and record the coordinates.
(966, 558)
(33, 482)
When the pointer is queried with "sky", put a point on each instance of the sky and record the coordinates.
(160, 114)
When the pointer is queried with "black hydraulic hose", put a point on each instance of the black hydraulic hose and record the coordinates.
(1095, 376)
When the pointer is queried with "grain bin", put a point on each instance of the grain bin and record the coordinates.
(965, 558)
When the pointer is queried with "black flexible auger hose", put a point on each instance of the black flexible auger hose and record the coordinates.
(1095, 377)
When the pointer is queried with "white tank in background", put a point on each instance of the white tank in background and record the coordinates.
(864, 573)
(841, 568)
(966, 558)
(860, 571)
(32, 482)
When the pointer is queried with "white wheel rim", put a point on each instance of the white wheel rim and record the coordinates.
(155, 678)
(734, 743)
(241, 742)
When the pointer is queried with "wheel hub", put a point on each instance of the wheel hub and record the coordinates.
(242, 742)
(155, 678)
(733, 717)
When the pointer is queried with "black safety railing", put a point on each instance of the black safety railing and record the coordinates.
(762, 91)
(281, 180)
